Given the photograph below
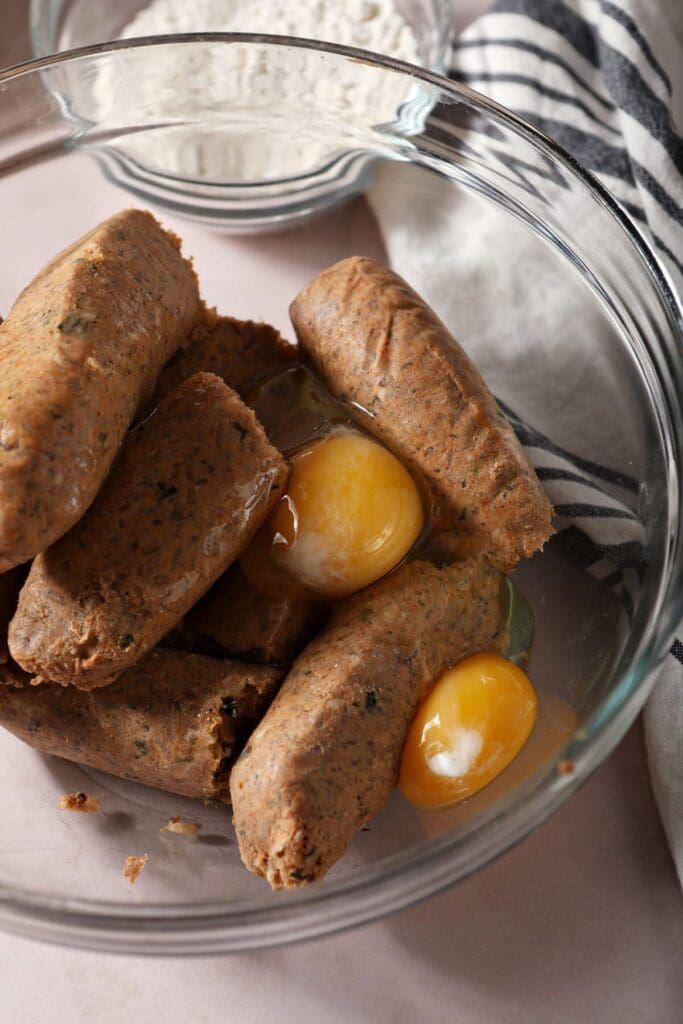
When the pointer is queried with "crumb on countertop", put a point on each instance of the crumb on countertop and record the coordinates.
(180, 827)
(82, 802)
(134, 866)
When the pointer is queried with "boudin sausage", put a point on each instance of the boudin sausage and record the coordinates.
(192, 485)
(175, 721)
(326, 756)
(378, 346)
(81, 347)
(244, 353)
(238, 620)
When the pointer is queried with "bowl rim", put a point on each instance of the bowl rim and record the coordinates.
(394, 882)
(459, 89)
(441, 25)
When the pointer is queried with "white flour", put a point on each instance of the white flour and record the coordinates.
(369, 24)
(255, 84)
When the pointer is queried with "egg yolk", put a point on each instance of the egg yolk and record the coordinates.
(473, 723)
(351, 513)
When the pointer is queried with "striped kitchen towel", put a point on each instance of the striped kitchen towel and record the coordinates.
(604, 78)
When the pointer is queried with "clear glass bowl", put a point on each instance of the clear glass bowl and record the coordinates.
(58, 25)
(244, 183)
(615, 400)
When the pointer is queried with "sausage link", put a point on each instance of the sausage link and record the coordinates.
(326, 756)
(237, 620)
(175, 721)
(242, 352)
(192, 485)
(378, 346)
(81, 347)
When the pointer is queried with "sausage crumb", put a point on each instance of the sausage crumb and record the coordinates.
(565, 767)
(180, 827)
(82, 802)
(134, 866)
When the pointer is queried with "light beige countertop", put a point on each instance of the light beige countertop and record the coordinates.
(582, 923)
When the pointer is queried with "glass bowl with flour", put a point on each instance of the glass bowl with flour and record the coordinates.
(234, 172)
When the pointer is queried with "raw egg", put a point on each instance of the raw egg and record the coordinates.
(294, 407)
(351, 513)
(475, 720)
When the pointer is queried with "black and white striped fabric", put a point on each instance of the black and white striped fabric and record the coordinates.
(597, 529)
(605, 79)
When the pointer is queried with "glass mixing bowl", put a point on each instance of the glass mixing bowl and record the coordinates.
(65, 24)
(610, 393)
(253, 182)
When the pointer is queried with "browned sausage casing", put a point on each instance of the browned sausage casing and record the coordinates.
(326, 756)
(82, 345)
(242, 352)
(175, 721)
(375, 343)
(236, 620)
(192, 485)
